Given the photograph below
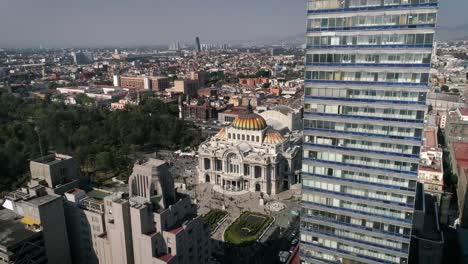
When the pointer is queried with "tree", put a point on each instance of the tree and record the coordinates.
(83, 99)
(444, 88)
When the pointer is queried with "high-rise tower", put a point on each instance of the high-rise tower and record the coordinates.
(366, 79)
(197, 44)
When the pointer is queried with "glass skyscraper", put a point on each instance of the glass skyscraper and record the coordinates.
(366, 79)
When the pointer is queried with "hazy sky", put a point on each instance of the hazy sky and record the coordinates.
(130, 22)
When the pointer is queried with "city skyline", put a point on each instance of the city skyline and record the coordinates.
(56, 24)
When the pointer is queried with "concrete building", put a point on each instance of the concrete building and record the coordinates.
(366, 79)
(200, 76)
(249, 156)
(456, 128)
(427, 241)
(431, 170)
(154, 83)
(282, 116)
(43, 212)
(85, 223)
(459, 167)
(443, 102)
(154, 224)
(253, 81)
(197, 44)
(82, 57)
(57, 172)
(229, 115)
(462, 194)
(188, 87)
(20, 242)
(200, 112)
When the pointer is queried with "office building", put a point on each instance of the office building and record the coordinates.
(250, 156)
(20, 242)
(153, 223)
(174, 46)
(40, 212)
(427, 241)
(85, 223)
(201, 76)
(154, 83)
(187, 87)
(366, 79)
(82, 57)
(197, 44)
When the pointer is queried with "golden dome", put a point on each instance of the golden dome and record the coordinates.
(221, 133)
(249, 121)
(273, 137)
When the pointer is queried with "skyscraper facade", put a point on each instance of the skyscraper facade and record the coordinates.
(366, 79)
(197, 44)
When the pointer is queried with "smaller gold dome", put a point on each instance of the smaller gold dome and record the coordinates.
(273, 137)
(221, 134)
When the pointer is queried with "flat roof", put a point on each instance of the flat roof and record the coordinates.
(431, 138)
(461, 150)
(52, 158)
(12, 231)
(97, 194)
(41, 200)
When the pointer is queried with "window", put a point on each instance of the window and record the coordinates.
(207, 164)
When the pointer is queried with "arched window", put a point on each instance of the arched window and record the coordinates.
(233, 163)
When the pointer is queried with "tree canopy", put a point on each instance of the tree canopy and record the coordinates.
(100, 139)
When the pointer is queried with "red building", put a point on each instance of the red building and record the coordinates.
(253, 81)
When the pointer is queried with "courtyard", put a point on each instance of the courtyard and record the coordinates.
(247, 228)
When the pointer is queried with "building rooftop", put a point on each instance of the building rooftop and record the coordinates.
(12, 231)
(52, 159)
(97, 194)
(461, 150)
(426, 205)
(431, 138)
(166, 257)
(463, 111)
(41, 200)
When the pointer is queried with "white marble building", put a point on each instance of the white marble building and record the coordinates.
(250, 156)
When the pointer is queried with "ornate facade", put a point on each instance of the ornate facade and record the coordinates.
(250, 156)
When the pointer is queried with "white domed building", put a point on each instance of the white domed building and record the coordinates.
(250, 156)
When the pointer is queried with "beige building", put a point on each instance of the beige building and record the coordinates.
(283, 116)
(250, 156)
(20, 242)
(85, 222)
(431, 171)
(57, 172)
(154, 83)
(44, 213)
(462, 194)
(188, 87)
(154, 224)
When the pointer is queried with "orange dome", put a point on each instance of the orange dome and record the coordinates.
(273, 137)
(221, 133)
(250, 122)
